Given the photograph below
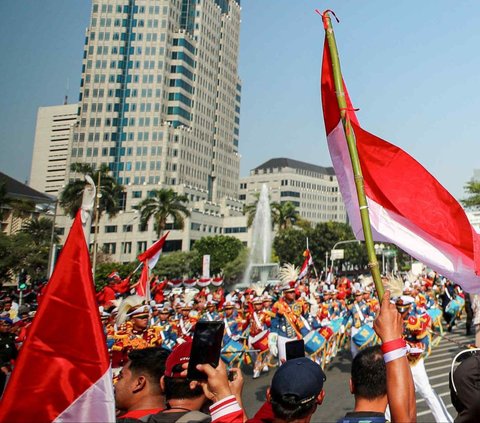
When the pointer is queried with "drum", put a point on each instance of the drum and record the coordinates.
(314, 341)
(326, 332)
(453, 307)
(259, 341)
(231, 350)
(364, 335)
(434, 313)
(336, 324)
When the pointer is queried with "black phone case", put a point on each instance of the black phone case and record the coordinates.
(206, 347)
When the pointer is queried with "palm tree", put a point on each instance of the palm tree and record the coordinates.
(161, 204)
(472, 188)
(110, 191)
(284, 214)
(40, 231)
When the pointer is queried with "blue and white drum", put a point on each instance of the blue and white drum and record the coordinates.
(434, 313)
(453, 307)
(231, 350)
(364, 336)
(313, 342)
(336, 324)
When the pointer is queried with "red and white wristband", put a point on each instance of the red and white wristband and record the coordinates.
(394, 349)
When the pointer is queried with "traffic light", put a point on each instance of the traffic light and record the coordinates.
(22, 281)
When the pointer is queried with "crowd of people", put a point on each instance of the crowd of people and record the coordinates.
(150, 340)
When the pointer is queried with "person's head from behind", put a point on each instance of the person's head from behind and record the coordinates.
(139, 379)
(465, 386)
(296, 390)
(369, 376)
(174, 384)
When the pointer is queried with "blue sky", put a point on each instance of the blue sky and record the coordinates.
(411, 67)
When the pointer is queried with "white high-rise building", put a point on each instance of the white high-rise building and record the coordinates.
(53, 133)
(160, 105)
(312, 189)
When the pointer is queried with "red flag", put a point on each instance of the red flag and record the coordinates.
(153, 253)
(306, 264)
(63, 370)
(142, 284)
(407, 205)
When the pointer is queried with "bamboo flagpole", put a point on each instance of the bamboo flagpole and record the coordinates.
(350, 137)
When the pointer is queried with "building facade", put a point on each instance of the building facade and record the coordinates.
(53, 135)
(160, 105)
(313, 189)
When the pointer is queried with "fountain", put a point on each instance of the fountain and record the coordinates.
(259, 267)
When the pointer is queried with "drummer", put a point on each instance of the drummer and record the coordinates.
(260, 322)
(233, 322)
(361, 316)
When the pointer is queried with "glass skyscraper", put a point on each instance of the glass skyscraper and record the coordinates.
(160, 95)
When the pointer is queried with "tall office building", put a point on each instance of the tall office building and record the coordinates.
(53, 134)
(160, 93)
(160, 105)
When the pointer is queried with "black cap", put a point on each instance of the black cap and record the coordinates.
(301, 377)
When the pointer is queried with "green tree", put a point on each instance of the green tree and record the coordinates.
(472, 188)
(40, 231)
(290, 244)
(222, 250)
(176, 264)
(110, 191)
(234, 270)
(284, 215)
(162, 204)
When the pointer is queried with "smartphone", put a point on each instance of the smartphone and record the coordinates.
(295, 349)
(206, 347)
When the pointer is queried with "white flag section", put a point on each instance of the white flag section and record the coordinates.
(152, 254)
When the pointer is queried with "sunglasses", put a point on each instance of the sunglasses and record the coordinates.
(462, 356)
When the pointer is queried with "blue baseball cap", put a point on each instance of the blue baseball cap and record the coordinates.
(300, 377)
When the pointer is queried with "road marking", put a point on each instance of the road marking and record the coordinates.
(425, 412)
(445, 366)
(440, 384)
(443, 394)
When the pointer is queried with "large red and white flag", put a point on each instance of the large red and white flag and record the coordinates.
(306, 264)
(63, 371)
(152, 254)
(407, 205)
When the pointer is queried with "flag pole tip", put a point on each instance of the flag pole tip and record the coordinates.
(324, 15)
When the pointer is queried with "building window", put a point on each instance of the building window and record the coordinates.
(110, 229)
(109, 248)
(141, 246)
(126, 247)
(136, 194)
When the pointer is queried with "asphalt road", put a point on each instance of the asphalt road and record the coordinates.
(338, 399)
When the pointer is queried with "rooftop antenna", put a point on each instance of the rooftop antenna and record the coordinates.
(66, 91)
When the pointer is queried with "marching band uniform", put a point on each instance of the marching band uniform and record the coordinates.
(260, 322)
(288, 323)
(164, 328)
(131, 337)
(417, 335)
(361, 316)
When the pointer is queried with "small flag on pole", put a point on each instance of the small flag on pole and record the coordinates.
(63, 371)
(306, 264)
(152, 254)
